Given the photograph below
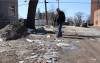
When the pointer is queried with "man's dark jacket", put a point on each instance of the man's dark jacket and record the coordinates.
(60, 17)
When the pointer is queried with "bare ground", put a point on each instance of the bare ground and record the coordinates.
(81, 50)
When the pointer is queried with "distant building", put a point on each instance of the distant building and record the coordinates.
(95, 12)
(8, 11)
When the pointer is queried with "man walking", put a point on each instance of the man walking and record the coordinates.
(60, 20)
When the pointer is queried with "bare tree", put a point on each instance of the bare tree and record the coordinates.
(30, 23)
(89, 20)
(78, 18)
(75, 20)
(70, 21)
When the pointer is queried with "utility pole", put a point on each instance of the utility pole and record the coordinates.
(46, 12)
(58, 3)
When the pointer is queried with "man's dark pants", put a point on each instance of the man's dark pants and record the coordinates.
(59, 30)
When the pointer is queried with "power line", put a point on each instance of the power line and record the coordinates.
(64, 2)
(61, 2)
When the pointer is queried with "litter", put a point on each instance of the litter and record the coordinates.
(63, 44)
(29, 40)
(32, 57)
(1, 39)
(48, 36)
(39, 42)
(33, 53)
(77, 41)
(21, 61)
(49, 61)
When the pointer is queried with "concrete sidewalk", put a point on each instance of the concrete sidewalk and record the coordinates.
(80, 31)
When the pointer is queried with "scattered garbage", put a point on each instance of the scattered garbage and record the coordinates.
(32, 57)
(29, 40)
(41, 49)
(1, 40)
(48, 36)
(77, 41)
(58, 40)
(33, 53)
(49, 61)
(21, 61)
(39, 42)
(51, 56)
(63, 44)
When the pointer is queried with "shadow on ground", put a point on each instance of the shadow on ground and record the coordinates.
(42, 31)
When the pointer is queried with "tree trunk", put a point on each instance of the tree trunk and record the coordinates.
(30, 23)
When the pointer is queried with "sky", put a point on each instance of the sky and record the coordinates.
(70, 7)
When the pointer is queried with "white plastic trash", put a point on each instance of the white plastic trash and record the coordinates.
(63, 44)
(1, 40)
(29, 40)
(21, 61)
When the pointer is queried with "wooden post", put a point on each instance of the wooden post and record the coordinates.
(46, 12)
(58, 3)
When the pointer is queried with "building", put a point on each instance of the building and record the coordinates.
(95, 12)
(8, 11)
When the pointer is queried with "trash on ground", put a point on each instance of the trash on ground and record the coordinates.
(77, 41)
(1, 40)
(21, 61)
(48, 36)
(29, 40)
(63, 44)
(32, 57)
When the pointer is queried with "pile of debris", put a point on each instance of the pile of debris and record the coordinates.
(13, 31)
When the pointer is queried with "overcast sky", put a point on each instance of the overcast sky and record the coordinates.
(70, 7)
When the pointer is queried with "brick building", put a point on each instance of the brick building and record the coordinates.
(8, 11)
(95, 12)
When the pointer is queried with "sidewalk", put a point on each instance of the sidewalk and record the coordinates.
(80, 31)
